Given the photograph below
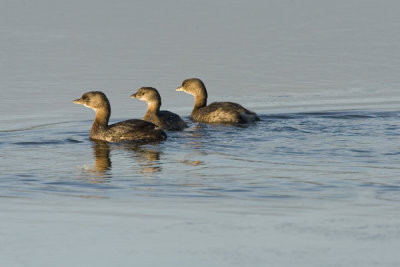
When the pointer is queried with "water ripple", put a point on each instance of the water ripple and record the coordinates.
(48, 142)
(295, 155)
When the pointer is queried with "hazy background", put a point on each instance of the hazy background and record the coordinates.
(268, 54)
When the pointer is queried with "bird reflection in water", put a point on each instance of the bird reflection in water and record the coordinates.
(147, 158)
(195, 140)
(101, 152)
(197, 136)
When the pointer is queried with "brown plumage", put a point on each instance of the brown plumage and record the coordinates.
(162, 118)
(130, 130)
(217, 112)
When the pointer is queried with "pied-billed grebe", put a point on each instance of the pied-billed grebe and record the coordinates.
(217, 112)
(130, 130)
(162, 118)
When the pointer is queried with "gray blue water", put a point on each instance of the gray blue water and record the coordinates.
(316, 155)
(314, 183)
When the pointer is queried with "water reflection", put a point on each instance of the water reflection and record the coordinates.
(198, 136)
(101, 152)
(148, 158)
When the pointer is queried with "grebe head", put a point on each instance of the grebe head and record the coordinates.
(147, 94)
(94, 100)
(193, 86)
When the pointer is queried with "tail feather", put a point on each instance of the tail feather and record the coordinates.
(249, 116)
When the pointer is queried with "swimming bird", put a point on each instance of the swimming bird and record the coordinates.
(165, 119)
(129, 130)
(217, 112)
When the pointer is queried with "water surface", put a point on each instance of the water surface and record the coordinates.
(314, 183)
(290, 155)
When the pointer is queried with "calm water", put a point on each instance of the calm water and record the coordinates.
(318, 155)
(314, 183)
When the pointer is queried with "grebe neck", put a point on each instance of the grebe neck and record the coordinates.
(101, 120)
(153, 107)
(200, 102)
